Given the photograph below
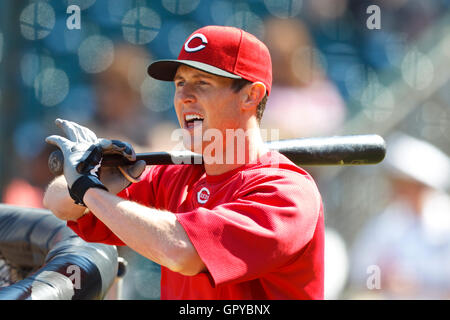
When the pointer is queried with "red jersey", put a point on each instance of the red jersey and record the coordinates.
(259, 229)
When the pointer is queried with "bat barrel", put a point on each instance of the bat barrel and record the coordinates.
(338, 150)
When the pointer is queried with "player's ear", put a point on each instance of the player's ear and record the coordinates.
(252, 95)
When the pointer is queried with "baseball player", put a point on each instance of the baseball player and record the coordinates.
(251, 229)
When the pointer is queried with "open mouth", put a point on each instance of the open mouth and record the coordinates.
(192, 120)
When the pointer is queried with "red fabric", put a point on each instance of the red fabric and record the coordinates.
(21, 193)
(230, 49)
(260, 232)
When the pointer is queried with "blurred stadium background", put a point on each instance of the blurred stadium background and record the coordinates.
(332, 75)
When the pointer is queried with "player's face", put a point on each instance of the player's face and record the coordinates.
(203, 102)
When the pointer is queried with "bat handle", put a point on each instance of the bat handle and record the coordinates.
(56, 162)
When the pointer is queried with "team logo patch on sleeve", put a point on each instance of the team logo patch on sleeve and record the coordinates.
(203, 195)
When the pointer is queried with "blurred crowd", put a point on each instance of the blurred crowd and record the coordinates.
(324, 58)
(407, 245)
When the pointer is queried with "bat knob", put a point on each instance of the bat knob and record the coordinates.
(56, 162)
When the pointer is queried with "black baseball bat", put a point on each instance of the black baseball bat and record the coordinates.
(317, 151)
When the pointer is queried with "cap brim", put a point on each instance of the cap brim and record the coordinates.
(166, 69)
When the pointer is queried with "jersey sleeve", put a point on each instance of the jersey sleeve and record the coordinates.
(266, 226)
(92, 229)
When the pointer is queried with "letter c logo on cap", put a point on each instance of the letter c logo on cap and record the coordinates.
(199, 47)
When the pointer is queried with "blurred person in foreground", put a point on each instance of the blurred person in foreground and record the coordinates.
(233, 227)
(303, 101)
(408, 245)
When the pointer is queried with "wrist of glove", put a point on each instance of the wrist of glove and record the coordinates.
(83, 184)
(88, 169)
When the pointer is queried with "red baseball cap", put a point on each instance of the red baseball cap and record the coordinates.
(224, 51)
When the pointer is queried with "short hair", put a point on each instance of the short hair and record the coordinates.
(238, 84)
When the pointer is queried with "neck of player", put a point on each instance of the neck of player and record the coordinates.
(236, 150)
